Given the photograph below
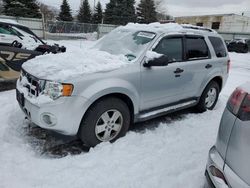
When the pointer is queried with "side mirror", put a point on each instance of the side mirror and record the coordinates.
(155, 59)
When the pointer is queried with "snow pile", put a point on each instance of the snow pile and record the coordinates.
(151, 55)
(41, 99)
(86, 36)
(63, 66)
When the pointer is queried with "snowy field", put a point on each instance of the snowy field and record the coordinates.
(169, 152)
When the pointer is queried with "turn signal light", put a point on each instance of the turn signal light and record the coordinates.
(67, 89)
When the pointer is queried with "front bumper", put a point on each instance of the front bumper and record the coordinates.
(66, 113)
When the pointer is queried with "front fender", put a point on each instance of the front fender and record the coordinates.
(111, 86)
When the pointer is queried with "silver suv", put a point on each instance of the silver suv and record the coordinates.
(229, 159)
(169, 67)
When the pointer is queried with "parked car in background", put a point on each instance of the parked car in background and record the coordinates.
(163, 68)
(229, 159)
(240, 45)
(17, 45)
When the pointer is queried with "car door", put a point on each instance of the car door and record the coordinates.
(199, 64)
(165, 84)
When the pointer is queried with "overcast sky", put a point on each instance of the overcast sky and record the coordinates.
(180, 7)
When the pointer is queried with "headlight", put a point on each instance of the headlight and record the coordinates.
(55, 90)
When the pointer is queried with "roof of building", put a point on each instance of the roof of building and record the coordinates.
(214, 15)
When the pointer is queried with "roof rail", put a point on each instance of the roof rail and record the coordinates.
(186, 26)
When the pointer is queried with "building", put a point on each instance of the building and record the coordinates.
(220, 22)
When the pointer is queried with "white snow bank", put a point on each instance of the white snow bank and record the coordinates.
(63, 66)
(86, 36)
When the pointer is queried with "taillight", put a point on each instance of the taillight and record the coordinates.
(235, 100)
(239, 104)
(228, 65)
(244, 112)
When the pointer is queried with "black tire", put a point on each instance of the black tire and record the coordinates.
(87, 131)
(202, 106)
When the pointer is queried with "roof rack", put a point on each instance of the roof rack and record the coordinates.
(185, 26)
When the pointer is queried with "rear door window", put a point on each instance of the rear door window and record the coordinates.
(171, 47)
(218, 46)
(196, 48)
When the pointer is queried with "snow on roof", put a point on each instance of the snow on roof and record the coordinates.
(166, 27)
(153, 27)
(10, 21)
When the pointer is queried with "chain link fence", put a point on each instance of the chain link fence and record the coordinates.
(57, 30)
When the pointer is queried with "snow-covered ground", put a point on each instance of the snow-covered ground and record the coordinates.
(171, 155)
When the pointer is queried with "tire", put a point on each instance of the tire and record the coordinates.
(203, 105)
(98, 126)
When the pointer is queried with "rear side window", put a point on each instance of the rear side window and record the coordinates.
(196, 48)
(171, 47)
(218, 46)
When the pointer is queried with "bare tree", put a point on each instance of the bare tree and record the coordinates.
(49, 13)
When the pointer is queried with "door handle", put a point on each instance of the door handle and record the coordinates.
(208, 66)
(178, 70)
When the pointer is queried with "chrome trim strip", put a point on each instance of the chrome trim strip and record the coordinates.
(152, 113)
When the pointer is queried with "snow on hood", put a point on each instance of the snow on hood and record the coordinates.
(64, 66)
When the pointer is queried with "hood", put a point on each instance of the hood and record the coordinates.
(68, 65)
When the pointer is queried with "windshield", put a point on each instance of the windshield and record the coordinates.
(126, 42)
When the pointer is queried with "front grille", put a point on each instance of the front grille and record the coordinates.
(33, 84)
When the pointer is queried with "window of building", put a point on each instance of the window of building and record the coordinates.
(216, 25)
(218, 46)
(196, 48)
(199, 24)
(172, 47)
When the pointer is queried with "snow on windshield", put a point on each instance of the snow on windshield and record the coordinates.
(126, 42)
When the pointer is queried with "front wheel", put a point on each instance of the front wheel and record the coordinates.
(107, 120)
(209, 97)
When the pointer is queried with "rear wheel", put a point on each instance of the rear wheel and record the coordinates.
(106, 120)
(209, 97)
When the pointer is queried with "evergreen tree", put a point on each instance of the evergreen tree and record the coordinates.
(84, 15)
(146, 12)
(128, 13)
(120, 12)
(97, 17)
(109, 12)
(22, 8)
(65, 12)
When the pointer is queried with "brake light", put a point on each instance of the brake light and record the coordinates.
(228, 65)
(235, 100)
(244, 112)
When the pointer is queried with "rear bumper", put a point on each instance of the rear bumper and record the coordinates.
(208, 181)
(214, 159)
